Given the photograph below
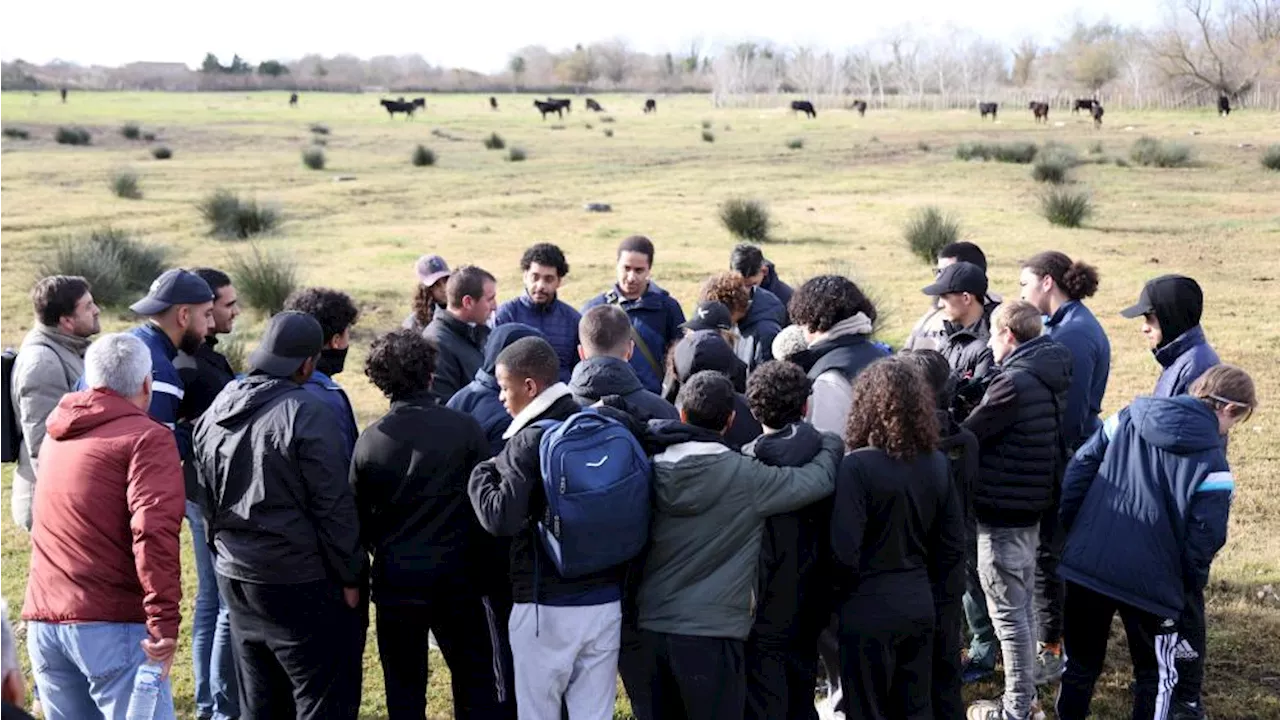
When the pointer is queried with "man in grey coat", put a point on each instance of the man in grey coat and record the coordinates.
(48, 365)
(283, 525)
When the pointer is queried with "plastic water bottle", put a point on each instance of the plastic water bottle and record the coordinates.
(146, 692)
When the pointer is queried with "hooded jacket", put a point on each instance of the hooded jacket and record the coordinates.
(409, 473)
(461, 353)
(1184, 360)
(1075, 327)
(1019, 429)
(966, 350)
(1145, 504)
(780, 290)
(104, 544)
(833, 361)
(479, 398)
(707, 350)
(273, 471)
(656, 317)
(761, 325)
(795, 559)
(558, 323)
(930, 330)
(507, 496)
(48, 365)
(599, 377)
(700, 572)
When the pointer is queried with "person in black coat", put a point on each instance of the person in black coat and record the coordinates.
(434, 568)
(794, 556)
(897, 532)
(460, 332)
(706, 350)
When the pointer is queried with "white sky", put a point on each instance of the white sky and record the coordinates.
(482, 35)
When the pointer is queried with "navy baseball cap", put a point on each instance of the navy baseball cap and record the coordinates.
(290, 339)
(710, 315)
(960, 277)
(173, 287)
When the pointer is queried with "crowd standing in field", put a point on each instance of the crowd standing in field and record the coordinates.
(563, 497)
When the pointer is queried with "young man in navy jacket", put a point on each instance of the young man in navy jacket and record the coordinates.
(543, 268)
(1145, 505)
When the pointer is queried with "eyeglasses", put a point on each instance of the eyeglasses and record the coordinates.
(1249, 408)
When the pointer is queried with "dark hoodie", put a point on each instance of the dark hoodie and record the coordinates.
(794, 562)
(1019, 428)
(479, 398)
(780, 290)
(1184, 353)
(273, 474)
(707, 350)
(761, 325)
(599, 377)
(1145, 504)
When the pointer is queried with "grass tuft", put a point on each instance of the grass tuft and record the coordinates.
(313, 158)
(424, 156)
(516, 154)
(264, 280)
(118, 266)
(231, 218)
(1271, 158)
(708, 136)
(746, 219)
(131, 131)
(495, 142)
(795, 143)
(72, 136)
(928, 231)
(161, 153)
(125, 185)
(1150, 152)
(1066, 208)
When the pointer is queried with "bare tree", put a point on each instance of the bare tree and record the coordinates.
(614, 60)
(1024, 62)
(1224, 51)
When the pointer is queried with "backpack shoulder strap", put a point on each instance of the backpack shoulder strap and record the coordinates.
(645, 352)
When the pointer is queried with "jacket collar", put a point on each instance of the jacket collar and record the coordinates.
(678, 452)
(72, 343)
(650, 298)
(535, 409)
(473, 334)
(857, 324)
(422, 398)
(170, 351)
(547, 309)
(1067, 308)
(1170, 353)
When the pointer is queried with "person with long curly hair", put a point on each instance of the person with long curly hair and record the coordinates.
(897, 530)
(434, 568)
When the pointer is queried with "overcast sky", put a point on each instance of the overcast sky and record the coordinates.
(482, 35)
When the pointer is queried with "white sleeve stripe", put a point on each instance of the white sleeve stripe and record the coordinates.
(167, 389)
(1109, 427)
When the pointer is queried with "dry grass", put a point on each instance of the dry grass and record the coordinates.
(847, 196)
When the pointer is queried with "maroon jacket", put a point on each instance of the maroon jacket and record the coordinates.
(108, 505)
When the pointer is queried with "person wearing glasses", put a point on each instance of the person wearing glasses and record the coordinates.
(1145, 504)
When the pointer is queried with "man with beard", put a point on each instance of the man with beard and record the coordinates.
(49, 362)
(179, 313)
(336, 313)
(544, 267)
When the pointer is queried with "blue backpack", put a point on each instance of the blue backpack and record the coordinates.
(597, 479)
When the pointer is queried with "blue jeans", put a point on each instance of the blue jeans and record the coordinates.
(85, 670)
(212, 656)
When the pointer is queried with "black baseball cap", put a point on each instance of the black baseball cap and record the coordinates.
(960, 277)
(173, 287)
(710, 315)
(290, 338)
(1166, 290)
(703, 350)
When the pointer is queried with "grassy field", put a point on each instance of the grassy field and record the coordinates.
(839, 203)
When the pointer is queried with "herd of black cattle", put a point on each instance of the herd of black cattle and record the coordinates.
(559, 106)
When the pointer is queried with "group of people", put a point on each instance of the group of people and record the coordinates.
(720, 509)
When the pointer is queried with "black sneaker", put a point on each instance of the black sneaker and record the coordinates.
(1186, 711)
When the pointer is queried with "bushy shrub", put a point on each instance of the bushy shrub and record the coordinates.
(424, 156)
(923, 146)
(516, 154)
(319, 129)
(313, 158)
(72, 136)
(1096, 148)
(17, 133)
(161, 152)
(263, 280)
(795, 143)
(119, 267)
(606, 118)
(1050, 170)
(1014, 152)
(1151, 152)
(1067, 208)
(131, 131)
(608, 132)
(148, 137)
(708, 136)
(1271, 158)
(495, 142)
(746, 219)
(125, 185)
(232, 218)
(928, 231)
(706, 124)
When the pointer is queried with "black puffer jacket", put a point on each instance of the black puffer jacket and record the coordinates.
(1019, 430)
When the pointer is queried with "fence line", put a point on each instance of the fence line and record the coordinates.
(1009, 98)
